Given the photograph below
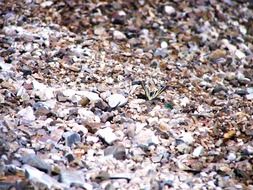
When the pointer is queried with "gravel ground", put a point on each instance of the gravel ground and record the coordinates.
(131, 94)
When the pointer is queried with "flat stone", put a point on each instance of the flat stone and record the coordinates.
(106, 116)
(107, 135)
(146, 137)
(240, 54)
(42, 91)
(46, 4)
(42, 180)
(183, 148)
(92, 96)
(249, 96)
(60, 97)
(72, 178)
(27, 114)
(26, 151)
(169, 10)
(126, 176)
(152, 120)
(116, 100)
(231, 156)
(198, 151)
(35, 161)
(86, 114)
(42, 111)
(4, 67)
(2, 99)
(101, 105)
(161, 52)
(71, 138)
(118, 152)
(187, 138)
(117, 35)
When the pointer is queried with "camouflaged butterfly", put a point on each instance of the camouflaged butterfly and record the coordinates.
(151, 95)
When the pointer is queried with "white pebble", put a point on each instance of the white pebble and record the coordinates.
(198, 151)
(169, 10)
(116, 100)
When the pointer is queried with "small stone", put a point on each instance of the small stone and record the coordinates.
(71, 138)
(241, 92)
(117, 35)
(90, 95)
(240, 54)
(42, 91)
(183, 148)
(230, 134)
(157, 158)
(116, 100)
(219, 88)
(26, 151)
(152, 120)
(86, 114)
(4, 146)
(99, 31)
(79, 128)
(35, 161)
(7, 85)
(230, 76)
(250, 90)
(27, 114)
(154, 64)
(198, 151)
(92, 139)
(164, 44)
(107, 135)
(74, 68)
(169, 10)
(168, 183)
(242, 79)
(249, 150)
(118, 152)
(119, 18)
(130, 130)
(249, 96)
(22, 93)
(217, 54)
(161, 52)
(184, 101)
(107, 116)
(126, 176)
(101, 105)
(231, 156)
(70, 157)
(26, 71)
(101, 176)
(4, 67)
(60, 97)
(187, 138)
(146, 137)
(42, 111)
(2, 99)
(68, 92)
(72, 178)
(46, 4)
(164, 127)
(42, 180)
(84, 101)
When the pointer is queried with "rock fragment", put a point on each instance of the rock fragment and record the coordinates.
(107, 135)
(116, 100)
